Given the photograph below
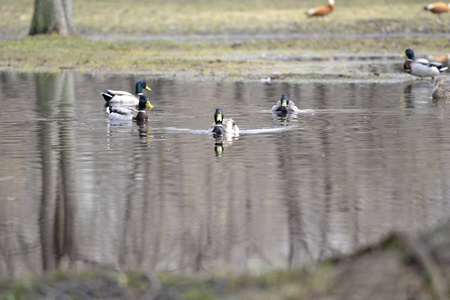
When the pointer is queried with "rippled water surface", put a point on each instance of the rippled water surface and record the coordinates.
(359, 160)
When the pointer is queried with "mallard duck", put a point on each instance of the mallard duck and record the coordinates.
(321, 11)
(128, 113)
(421, 67)
(284, 105)
(437, 8)
(223, 125)
(125, 98)
(439, 92)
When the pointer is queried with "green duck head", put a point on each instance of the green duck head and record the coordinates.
(409, 53)
(144, 103)
(284, 104)
(140, 85)
(284, 100)
(218, 116)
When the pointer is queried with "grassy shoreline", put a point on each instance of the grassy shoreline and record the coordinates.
(245, 58)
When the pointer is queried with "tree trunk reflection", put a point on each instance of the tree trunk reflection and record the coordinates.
(55, 99)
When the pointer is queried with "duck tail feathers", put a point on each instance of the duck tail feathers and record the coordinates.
(107, 95)
(442, 68)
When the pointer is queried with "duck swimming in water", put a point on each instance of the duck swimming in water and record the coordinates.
(421, 67)
(439, 92)
(285, 105)
(130, 114)
(126, 98)
(223, 125)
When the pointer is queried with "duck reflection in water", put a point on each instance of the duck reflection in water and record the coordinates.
(441, 97)
(407, 96)
(222, 141)
(283, 117)
(218, 147)
(442, 105)
(145, 133)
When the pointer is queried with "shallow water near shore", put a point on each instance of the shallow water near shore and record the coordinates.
(360, 159)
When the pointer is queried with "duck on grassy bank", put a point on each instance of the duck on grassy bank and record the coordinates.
(421, 67)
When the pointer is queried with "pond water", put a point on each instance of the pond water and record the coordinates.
(361, 159)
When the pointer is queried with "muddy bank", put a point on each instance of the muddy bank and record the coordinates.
(400, 267)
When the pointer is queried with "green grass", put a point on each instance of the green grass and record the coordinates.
(242, 59)
(234, 59)
(231, 16)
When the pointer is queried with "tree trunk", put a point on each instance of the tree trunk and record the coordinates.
(52, 16)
